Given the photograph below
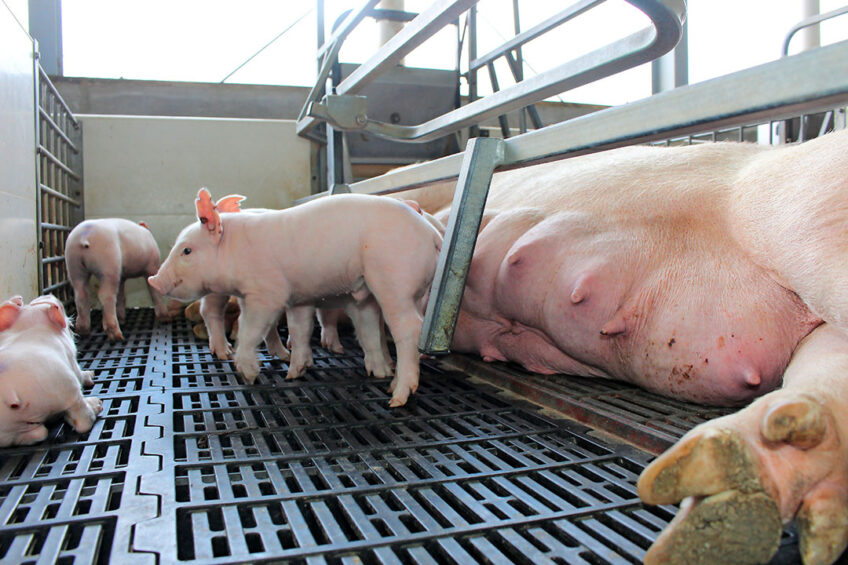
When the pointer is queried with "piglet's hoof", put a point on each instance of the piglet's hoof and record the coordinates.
(730, 527)
(400, 393)
(88, 378)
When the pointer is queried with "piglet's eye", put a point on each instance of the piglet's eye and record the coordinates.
(186, 250)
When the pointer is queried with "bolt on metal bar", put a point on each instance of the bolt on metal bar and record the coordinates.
(482, 155)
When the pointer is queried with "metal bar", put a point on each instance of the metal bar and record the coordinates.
(554, 21)
(55, 193)
(810, 22)
(56, 227)
(435, 17)
(482, 155)
(58, 96)
(58, 162)
(53, 287)
(46, 117)
(493, 78)
(818, 83)
(631, 51)
(330, 52)
(517, 72)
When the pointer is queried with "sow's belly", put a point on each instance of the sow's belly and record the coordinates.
(693, 321)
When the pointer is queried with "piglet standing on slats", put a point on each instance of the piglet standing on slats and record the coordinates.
(39, 374)
(373, 254)
(112, 250)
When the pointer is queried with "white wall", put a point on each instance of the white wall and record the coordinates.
(18, 258)
(150, 168)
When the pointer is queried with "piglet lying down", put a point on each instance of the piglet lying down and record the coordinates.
(374, 252)
(39, 374)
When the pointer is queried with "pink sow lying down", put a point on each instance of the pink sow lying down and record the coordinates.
(39, 374)
(712, 273)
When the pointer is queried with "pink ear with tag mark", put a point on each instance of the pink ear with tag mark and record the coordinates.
(206, 212)
(9, 312)
(230, 203)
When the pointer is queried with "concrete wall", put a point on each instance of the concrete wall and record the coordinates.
(150, 168)
(18, 269)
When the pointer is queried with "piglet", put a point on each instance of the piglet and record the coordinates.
(39, 374)
(112, 250)
(374, 253)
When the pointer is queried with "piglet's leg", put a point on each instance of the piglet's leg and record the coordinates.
(82, 300)
(212, 310)
(781, 458)
(300, 323)
(121, 303)
(328, 319)
(83, 413)
(255, 321)
(368, 323)
(108, 294)
(36, 434)
(404, 322)
(275, 345)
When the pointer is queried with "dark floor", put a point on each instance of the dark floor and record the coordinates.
(188, 464)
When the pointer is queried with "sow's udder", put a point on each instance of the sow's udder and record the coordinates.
(559, 294)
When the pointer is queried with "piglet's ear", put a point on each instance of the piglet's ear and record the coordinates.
(206, 212)
(56, 315)
(9, 312)
(230, 203)
(54, 310)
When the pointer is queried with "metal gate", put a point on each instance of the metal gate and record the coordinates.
(59, 202)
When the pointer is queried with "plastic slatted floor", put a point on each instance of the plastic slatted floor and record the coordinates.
(187, 464)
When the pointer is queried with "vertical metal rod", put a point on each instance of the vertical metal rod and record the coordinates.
(481, 157)
(474, 130)
(519, 59)
(530, 110)
(493, 77)
(319, 170)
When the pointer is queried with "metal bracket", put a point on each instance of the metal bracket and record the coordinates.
(345, 112)
(481, 157)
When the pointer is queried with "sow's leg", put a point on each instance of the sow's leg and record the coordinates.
(785, 456)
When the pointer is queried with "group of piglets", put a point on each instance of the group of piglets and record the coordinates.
(376, 267)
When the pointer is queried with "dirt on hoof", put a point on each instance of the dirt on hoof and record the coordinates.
(730, 527)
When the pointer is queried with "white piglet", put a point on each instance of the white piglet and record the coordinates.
(39, 373)
(112, 250)
(375, 250)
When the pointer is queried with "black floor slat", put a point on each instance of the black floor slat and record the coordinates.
(188, 464)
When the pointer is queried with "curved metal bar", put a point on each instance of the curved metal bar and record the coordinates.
(811, 21)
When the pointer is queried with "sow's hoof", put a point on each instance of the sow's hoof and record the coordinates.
(735, 522)
(740, 477)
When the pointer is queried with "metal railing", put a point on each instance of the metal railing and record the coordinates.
(346, 112)
(59, 200)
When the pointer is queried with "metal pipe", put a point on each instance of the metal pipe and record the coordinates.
(812, 21)
(386, 29)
